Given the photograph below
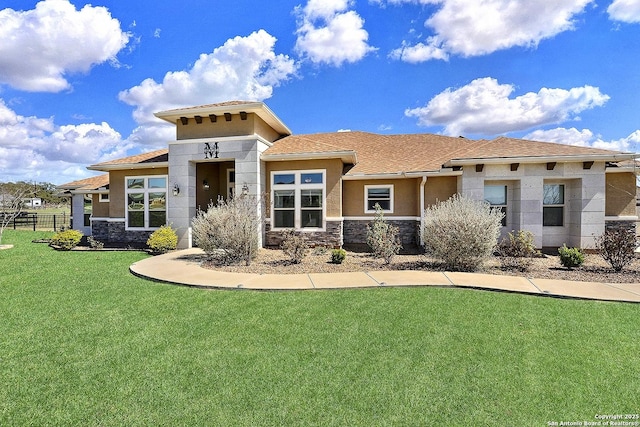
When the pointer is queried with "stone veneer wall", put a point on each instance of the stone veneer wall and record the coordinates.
(620, 225)
(355, 231)
(332, 237)
(114, 232)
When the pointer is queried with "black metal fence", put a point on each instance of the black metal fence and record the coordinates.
(40, 221)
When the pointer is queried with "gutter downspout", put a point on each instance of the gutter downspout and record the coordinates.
(422, 207)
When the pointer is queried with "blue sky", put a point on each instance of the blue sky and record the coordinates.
(79, 82)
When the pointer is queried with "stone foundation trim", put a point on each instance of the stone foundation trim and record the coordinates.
(330, 237)
(355, 231)
(113, 231)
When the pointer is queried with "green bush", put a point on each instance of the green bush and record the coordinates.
(338, 255)
(570, 257)
(66, 240)
(95, 244)
(163, 240)
(383, 238)
(517, 250)
(294, 246)
(462, 232)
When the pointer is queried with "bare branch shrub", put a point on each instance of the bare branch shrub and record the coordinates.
(229, 230)
(10, 207)
(383, 238)
(617, 247)
(462, 232)
(294, 246)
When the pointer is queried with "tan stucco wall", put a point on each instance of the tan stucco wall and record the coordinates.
(99, 209)
(620, 194)
(333, 176)
(440, 188)
(116, 187)
(222, 128)
(406, 197)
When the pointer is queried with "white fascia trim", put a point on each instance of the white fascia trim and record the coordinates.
(129, 166)
(400, 175)
(628, 169)
(102, 191)
(347, 156)
(621, 218)
(543, 159)
(221, 139)
(389, 218)
(107, 219)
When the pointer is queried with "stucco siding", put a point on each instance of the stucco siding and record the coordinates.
(620, 194)
(405, 194)
(116, 187)
(439, 188)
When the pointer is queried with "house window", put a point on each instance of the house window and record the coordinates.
(496, 196)
(87, 209)
(104, 197)
(553, 205)
(298, 199)
(381, 195)
(146, 202)
(231, 182)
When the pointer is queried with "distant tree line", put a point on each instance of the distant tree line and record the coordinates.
(47, 192)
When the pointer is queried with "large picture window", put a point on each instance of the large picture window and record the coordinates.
(146, 202)
(553, 205)
(496, 196)
(381, 195)
(298, 199)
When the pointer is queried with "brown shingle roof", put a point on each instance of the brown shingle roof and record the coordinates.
(150, 157)
(91, 183)
(382, 154)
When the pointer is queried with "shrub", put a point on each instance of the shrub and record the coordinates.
(461, 232)
(163, 240)
(517, 250)
(338, 255)
(66, 240)
(294, 246)
(229, 230)
(95, 244)
(617, 247)
(570, 257)
(383, 238)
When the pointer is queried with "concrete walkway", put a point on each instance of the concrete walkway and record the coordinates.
(183, 268)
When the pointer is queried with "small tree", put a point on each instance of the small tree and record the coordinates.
(383, 238)
(10, 207)
(617, 247)
(230, 229)
(462, 232)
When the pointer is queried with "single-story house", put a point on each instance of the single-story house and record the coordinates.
(326, 185)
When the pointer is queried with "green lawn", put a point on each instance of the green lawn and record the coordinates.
(83, 342)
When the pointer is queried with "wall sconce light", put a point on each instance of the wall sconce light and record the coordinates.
(205, 184)
(176, 189)
(245, 189)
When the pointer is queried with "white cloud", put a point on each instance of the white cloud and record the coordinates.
(479, 27)
(36, 148)
(244, 68)
(585, 138)
(484, 106)
(53, 40)
(329, 33)
(624, 10)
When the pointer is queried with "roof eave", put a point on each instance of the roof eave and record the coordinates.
(348, 157)
(128, 166)
(258, 108)
(542, 159)
(400, 175)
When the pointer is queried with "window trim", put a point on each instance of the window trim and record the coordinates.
(297, 187)
(503, 207)
(366, 197)
(103, 197)
(555, 205)
(146, 190)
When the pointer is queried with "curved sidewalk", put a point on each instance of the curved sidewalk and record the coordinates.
(183, 268)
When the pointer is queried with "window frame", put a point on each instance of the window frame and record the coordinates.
(554, 205)
(146, 191)
(298, 187)
(504, 207)
(366, 197)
